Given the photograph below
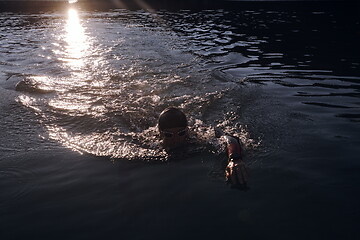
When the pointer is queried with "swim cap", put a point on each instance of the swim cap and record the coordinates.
(172, 118)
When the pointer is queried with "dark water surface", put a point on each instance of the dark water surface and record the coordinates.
(80, 92)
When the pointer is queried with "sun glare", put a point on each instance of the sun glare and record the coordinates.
(73, 1)
(76, 39)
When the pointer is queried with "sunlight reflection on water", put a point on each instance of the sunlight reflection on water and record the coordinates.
(112, 74)
(241, 72)
(77, 41)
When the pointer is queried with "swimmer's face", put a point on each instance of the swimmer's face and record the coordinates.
(174, 137)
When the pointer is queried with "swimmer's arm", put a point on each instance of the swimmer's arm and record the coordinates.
(236, 173)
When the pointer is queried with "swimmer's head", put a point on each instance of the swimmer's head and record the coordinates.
(172, 118)
(173, 128)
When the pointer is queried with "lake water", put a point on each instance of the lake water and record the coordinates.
(81, 90)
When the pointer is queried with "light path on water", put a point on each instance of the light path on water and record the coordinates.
(285, 81)
(103, 95)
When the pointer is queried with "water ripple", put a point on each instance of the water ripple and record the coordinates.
(98, 80)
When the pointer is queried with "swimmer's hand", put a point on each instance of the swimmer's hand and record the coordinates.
(236, 173)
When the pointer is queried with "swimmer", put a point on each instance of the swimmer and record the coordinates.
(173, 128)
(174, 133)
